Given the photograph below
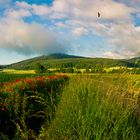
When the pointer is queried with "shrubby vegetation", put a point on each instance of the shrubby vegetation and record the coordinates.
(99, 106)
(40, 68)
(10, 77)
(26, 104)
(126, 70)
(98, 69)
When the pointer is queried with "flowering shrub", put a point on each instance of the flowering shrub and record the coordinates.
(29, 99)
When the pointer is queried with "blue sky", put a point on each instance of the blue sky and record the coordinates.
(39, 2)
(30, 28)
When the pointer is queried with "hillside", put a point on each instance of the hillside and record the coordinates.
(135, 61)
(65, 61)
(2, 66)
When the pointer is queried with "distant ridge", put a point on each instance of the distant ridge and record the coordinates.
(135, 61)
(47, 57)
(58, 60)
(63, 55)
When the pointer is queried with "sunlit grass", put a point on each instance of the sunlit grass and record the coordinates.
(95, 108)
(13, 71)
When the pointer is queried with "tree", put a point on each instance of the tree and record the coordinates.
(41, 68)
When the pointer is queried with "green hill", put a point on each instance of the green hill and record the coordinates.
(135, 61)
(65, 61)
(2, 66)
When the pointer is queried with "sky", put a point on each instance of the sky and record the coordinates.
(30, 28)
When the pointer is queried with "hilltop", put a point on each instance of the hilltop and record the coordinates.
(58, 60)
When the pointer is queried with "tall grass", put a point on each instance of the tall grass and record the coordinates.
(95, 108)
(90, 107)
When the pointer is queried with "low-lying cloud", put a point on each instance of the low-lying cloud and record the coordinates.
(28, 38)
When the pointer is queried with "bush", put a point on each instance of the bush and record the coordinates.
(25, 104)
(41, 68)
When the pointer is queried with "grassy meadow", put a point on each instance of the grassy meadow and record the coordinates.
(97, 107)
(69, 69)
(70, 106)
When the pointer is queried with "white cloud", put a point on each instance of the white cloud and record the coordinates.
(119, 54)
(113, 55)
(88, 10)
(132, 3)
(60, 25)
(80, 31)
(79, 17)
(27, 38)
(40, 10)
(60, 6)
(23, 5)
(17, 14)
(125, 37)
(81, 9)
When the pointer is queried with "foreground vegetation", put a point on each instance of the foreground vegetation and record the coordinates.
(27, 103)
(100, 109)
(88, 107)
(10, 77)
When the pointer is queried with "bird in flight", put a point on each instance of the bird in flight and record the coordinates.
(99, 14)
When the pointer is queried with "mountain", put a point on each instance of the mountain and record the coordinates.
(135, 61)
(45, 59)
(62, 56)
(59, 60)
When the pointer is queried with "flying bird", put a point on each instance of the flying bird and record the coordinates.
(99, 14)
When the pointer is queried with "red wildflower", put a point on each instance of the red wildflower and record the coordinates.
(3, 109)
(22, 88)
(11, 98)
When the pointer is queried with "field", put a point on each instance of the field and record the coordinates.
(70, 70)
(70, 106)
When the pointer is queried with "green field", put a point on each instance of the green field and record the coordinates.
(89, 107)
